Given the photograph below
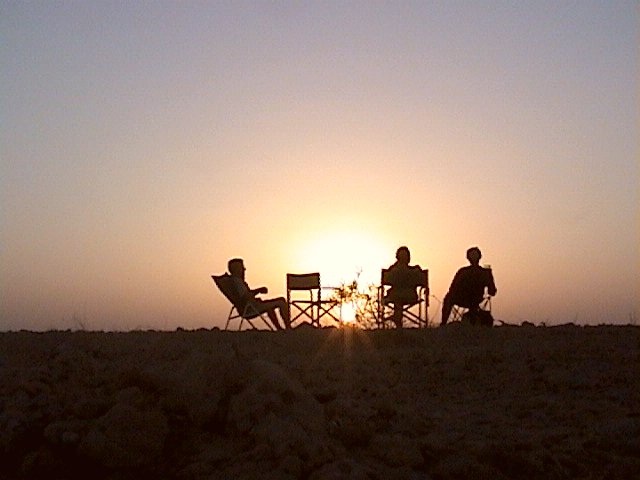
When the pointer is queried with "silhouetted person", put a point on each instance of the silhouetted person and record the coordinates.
(246, 296)
(404, 280)
(467, 289)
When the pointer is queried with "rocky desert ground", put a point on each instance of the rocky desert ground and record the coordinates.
(456, 402)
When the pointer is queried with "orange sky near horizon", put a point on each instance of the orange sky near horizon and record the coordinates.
(145, 145)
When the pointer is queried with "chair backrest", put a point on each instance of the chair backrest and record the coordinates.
(425, 279)
(421, 278)
(303, 281)
(384, 278)
(223, 282)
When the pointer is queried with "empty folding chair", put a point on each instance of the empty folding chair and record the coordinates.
(304, 297)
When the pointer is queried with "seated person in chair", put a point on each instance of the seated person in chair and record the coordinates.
(246, 295)
(467, 289)
(404, 280)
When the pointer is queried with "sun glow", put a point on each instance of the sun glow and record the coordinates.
(342, 257)
(348, 313)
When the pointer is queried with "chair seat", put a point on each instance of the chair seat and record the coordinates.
(482, 315)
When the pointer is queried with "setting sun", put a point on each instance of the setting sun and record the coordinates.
(348, 313)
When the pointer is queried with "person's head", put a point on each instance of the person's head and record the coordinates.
(403, 255)
(236, 267)
(474, 255)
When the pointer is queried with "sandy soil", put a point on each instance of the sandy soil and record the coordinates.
(458, 402)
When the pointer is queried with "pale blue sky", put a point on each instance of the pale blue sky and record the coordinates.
(144, 144)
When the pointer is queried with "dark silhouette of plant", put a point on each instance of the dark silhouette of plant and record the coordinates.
(363, 301)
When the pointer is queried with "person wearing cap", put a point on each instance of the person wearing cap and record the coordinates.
(469, 286)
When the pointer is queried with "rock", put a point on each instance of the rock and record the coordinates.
(275, 409)
(126, 436)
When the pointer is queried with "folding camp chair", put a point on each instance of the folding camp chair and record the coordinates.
(311, 306)
(415, 314)
(468, 316)
(246, 313)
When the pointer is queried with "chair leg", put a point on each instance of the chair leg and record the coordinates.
(229, 318)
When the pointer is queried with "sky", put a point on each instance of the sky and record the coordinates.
(143, 144)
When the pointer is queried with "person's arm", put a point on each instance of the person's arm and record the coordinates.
(257, 291)
(491, 285)
(456, 281)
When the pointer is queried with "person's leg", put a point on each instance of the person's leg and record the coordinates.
(393, 300)
(397, 314)
(265, 306)
(274, 318)
(284, 311)
(474, 314)
(270, 306)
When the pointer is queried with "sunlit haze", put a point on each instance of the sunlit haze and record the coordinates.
(144, 144)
